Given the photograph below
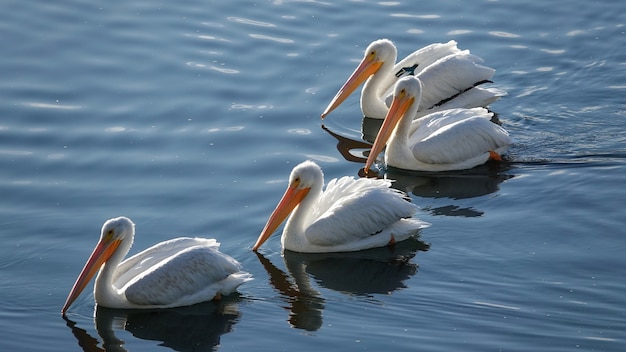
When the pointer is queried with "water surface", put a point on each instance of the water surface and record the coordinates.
(188, 117)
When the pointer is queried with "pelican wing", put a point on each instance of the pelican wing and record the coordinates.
(350, 210)
(451, 76)
(426, 56)
(428, 125)
(417, 61)
(474, 97)
(458, 135)
(137, 264)
(185, 276)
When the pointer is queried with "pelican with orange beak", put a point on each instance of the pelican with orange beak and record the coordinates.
(349, 215)
(452, 78)
(179, 272)
(453, 139)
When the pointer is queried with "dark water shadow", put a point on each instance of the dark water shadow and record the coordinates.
(351, 149)
(194, 328)
(363, 273)
(370, 128)
(478, 181)
(455, 186)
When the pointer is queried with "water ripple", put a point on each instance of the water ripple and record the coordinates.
(554, 52)
(459, 32)
(267, 37)
(504, 34)
(300, 131)
(531, 90)
(496, 305)
(52, 106)
(239, 106)
(207, 37)
(322, 158)
(212, 67)
(56, 156)
(226, 129)
(423, 17)
(575, 32)
(250, 22)
(16, 152)
(115, 129)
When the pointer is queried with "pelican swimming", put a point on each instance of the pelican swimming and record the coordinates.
(179, 272)
(453, 139)
(450, 76)
(350, 215)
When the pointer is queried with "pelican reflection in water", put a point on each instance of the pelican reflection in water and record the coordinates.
(192, 328)
(363, 273)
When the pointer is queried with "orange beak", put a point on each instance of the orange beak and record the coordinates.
(292, 197)
(366, 68)
(99, 256)
(398, 109)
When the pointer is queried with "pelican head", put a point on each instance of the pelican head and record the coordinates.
(377, 53)
(304, 177)
(407, 94)
(114, 232)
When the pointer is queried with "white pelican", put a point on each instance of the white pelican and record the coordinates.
(453, 139)
(450, 77)
(179, 272)
(350, 215)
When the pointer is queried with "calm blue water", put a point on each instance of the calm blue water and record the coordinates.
(188, 116)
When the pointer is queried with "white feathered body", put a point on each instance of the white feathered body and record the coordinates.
(453, 139)
(351, 214)
(178, 272)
